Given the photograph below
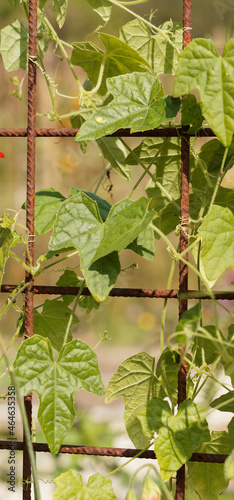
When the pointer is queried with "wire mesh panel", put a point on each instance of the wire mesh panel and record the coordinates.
(32, 133)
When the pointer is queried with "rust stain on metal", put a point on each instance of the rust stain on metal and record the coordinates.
(111, 452)
(183, 269)
(71, 132)
(146, 293)
(31, 158)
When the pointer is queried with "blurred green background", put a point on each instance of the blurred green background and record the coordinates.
(132, 324)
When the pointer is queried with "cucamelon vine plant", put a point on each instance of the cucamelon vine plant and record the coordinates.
(123, 90)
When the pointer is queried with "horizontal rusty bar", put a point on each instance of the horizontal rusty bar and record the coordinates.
(110, 452)
(115, 292)
(156, 293)
(71, 132)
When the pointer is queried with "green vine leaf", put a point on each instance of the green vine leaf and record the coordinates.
(47, 203)
(101, 276)
(70, 278)
(136, 104)
(201, 67)
(191, 113)
(52, 322)
(217, 232)
(136, 381)
(167, 373)
(56, 381)
(224, 402)
(167, 168)
(159, 52)
(188, 324)
(229, 467)
(208, 479)
(103, 205)
(178, 435)
(14, 46)
(118, 59)
(126, 220)
(79, 225)
(102, 7)
(204, 347)
(114, 151)
(6, 241)
(60, 11)
(70, 487)
(144, 244)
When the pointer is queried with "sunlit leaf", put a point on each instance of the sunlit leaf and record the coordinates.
(201, 67)
(56, 381)
(156, 49)
(136, 381)
(52, 322)
(136, 104)
(178, 435)
(217, 232)
(118, 59)
(60, 11)
(70, 487)
(6, 240)
(14, 46)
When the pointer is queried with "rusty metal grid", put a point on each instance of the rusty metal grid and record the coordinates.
(31, 132)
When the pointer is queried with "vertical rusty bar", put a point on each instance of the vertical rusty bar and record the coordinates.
(184, 213)
(31, 156)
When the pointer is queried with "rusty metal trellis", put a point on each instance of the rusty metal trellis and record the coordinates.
(31, 132)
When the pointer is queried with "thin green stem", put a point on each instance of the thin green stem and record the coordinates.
(20, 261)
(146, 169)
(47, 79)
(19, 289)
(40, 260)
(219, 180)
(25, 423)
(162, 484)
(129, 461)
(47, 24)
(101, 178)
(73, 312)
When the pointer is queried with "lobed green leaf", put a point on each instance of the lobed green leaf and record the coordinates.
(136, 104)
(201, 67)
(56, 381)
(70, 487)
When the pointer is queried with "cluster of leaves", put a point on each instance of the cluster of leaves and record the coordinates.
(123, 90)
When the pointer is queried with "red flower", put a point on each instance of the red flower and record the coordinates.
(2, 155)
